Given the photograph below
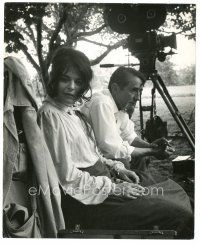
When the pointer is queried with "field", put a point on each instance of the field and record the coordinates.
(184, 98)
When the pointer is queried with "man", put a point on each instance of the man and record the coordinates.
(114, 131)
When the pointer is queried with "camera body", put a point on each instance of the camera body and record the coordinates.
(150, 42)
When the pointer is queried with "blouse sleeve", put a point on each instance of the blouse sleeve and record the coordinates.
(79, 184)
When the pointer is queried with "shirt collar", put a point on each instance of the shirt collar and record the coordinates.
(68, 109)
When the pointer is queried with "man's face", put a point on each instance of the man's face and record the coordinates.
(130, 93)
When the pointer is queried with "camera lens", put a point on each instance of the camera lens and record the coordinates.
(151, 13)
(121, 18)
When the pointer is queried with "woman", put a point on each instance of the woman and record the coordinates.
(90, 196)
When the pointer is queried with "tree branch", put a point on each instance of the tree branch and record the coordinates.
(54, 36)
(109, 49)
(32, 36)
(21, 29)
(90, 33)
(176, 33)
(39, 52)
(68, 34)
(30, 58)
(93, 42)
(79, 19)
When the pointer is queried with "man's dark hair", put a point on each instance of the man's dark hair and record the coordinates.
(62, 60)
(119, 75)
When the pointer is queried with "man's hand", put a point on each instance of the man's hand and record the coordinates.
(160, 154)
(161, 143)
(128, 190)
(162, 148)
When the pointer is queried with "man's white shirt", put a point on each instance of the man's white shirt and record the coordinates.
(114, 131)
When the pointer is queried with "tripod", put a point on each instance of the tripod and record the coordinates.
(161, 88)
(183, 170)
(145, 67)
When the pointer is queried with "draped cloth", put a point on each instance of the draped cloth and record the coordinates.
(19, 97)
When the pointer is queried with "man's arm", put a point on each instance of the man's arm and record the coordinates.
(142, 148)
(143, 152)
(159, 148)
(140, 143)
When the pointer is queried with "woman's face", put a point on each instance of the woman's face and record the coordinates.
(69, 87)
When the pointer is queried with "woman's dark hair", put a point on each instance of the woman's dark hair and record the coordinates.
(62, 60)
(88, 127)
(119, 74)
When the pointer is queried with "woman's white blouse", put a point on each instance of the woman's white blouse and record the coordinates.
(71, 148)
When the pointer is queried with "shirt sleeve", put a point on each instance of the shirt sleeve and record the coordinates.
(107, 134)
(77, 183)
(127, 128)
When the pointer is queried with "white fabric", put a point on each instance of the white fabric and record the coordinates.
(71, 149)
(114, 131)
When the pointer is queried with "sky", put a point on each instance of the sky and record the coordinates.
(186, 52)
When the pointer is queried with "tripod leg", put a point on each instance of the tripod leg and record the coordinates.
(141, 117)
(173, 104)
(173, 109)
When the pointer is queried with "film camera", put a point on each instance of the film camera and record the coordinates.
(141, 21)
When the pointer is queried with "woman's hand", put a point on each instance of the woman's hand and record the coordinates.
(128, 175)
(120, 172)
(128, 190)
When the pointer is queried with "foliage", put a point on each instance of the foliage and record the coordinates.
(183, 18)
(173, 77)
(20, 11)
(187, 75)
(168, 72)
(38, 29)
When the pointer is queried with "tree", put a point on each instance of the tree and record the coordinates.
(47, 26)
(37, 29)
(187, 75)
(169, 74)
(183, 18)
